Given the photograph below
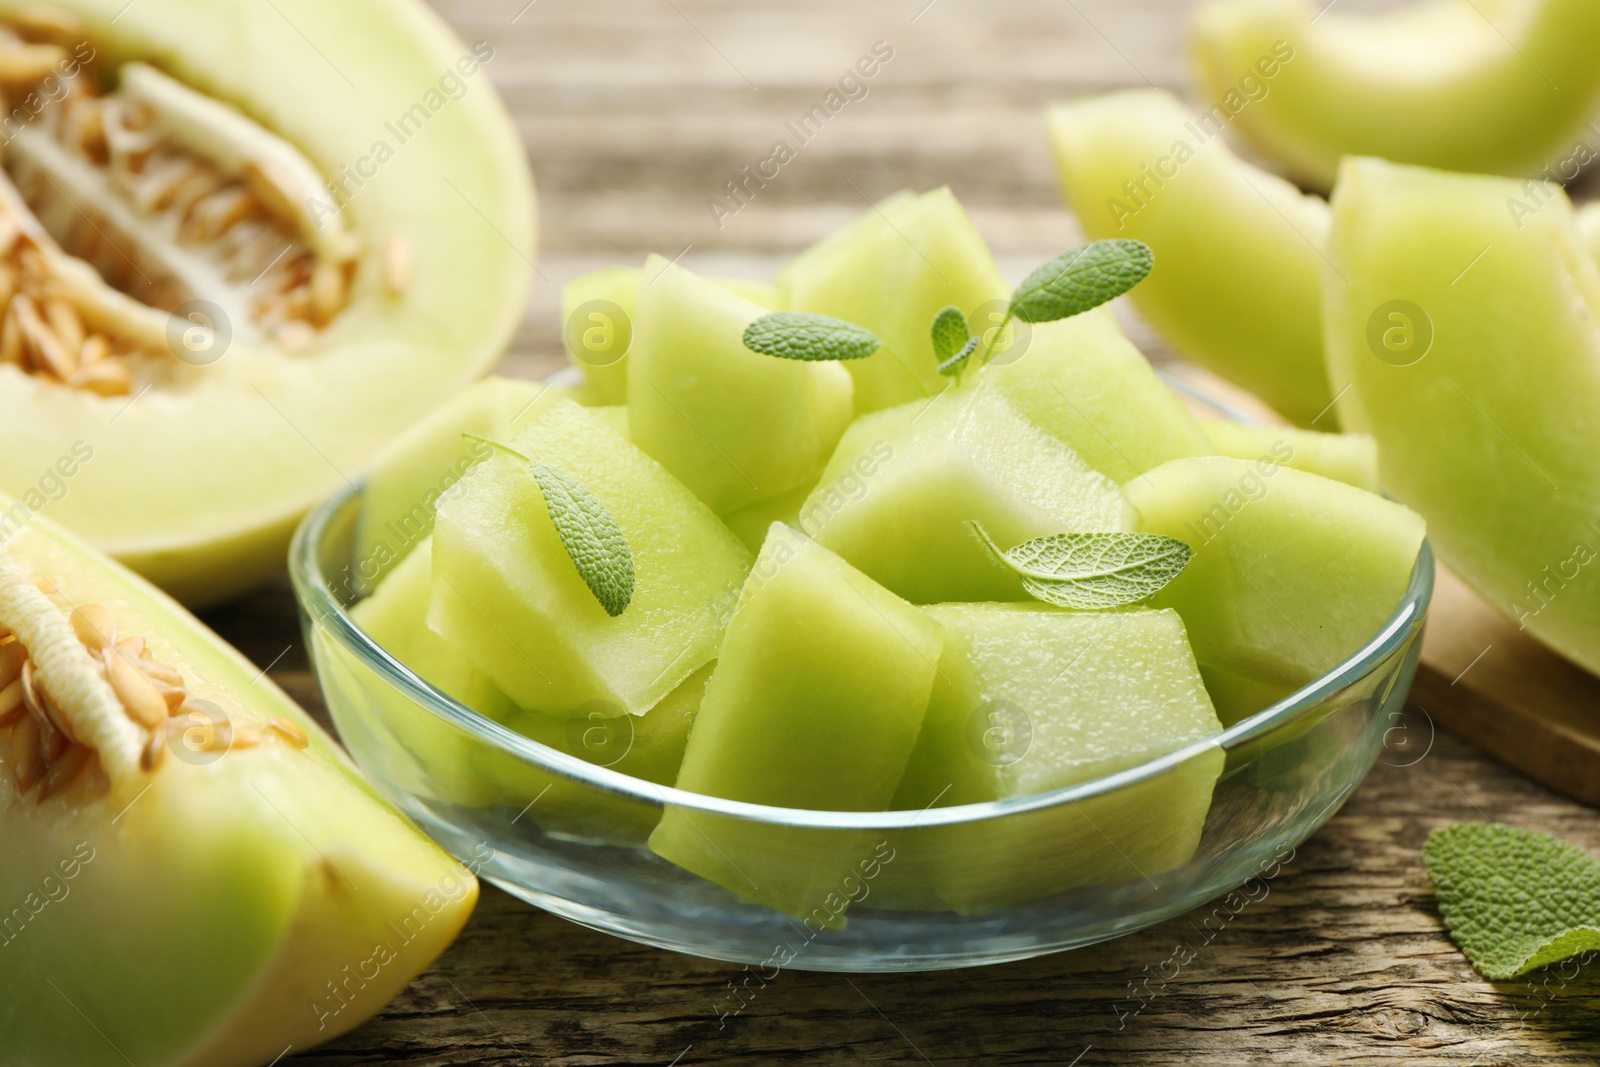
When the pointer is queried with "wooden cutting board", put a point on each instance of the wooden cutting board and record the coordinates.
(1481, 677)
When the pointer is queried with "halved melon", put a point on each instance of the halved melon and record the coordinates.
(1469, 344)
(1503, 87)
(1236, 285)
(205, 888)
(292, 248)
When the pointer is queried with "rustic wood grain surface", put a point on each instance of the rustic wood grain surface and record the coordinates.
(635, 112)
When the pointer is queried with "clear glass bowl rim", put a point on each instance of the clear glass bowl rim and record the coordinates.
(311, 590)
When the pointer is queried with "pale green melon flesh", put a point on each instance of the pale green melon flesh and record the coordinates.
(936, 466)
(407, 478)
(816, 701)
(1030, 699)
(200, 487)
(1083, 381)
(750, 524)
(1351, 458)
(733, 425)
(1236, 282)
(598, 340)
(1500, 89)
(892, 271)
(1492, 434)
(1292, 573)
(200, 921)
(446, 762)
(507, 594)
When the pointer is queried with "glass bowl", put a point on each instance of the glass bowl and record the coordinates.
(875, 891)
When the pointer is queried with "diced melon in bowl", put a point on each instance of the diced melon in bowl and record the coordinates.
(751, 523)
(1080, 379)
(1292, 573)
(891, 271)
(816, 702)
(939, 465)
(733, 425)
(444, 761)
(409, 476)
(597, 324)
(506, 592)
(1031, 699)
(1351, 458)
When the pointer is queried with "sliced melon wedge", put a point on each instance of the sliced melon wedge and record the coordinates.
(1502, 88)
(1485, 398)
(1292, 573)
(234, 263)
(1236, 285)
(204, 888)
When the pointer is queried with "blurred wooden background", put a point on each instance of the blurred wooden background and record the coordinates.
(635, 112)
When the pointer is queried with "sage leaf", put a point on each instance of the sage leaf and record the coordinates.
(1081, 279)
(803, 335)
(950, 334)
(957, 362)
(1094, 571)
(593, 540)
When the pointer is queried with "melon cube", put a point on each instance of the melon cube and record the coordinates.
(597, 312)
(1030, 699)
(407, 478)
(897, 497)
(506, 592)
(751, 523)
(1082, 380)
(1292, 573)
(1351, 458)
(892, 270)
(733, 425)
(816, 702)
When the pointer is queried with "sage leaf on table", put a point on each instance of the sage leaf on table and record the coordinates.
(1513, 900)
(1094, 571)
(803, 335)
(593, 540)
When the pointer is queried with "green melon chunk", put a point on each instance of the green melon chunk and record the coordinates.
(1465, 328)
(1292, 573)
(816, 702)
(506, 592)
(751, 523)
(1236, 285)
(616, 417)
(733, 425)
(1084, 382)
(897, 498)
(450, 764)
(408, 477)
(1351, 458)
(597, 316)
(1031, 699)
(891, 271)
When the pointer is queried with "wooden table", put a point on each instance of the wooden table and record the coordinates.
(635, 113)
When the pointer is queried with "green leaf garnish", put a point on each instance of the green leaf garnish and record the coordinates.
(1094, 571)
(1513, 900)
(1081, 279)
(802, 335)
(592, 538)
(950, 333)
(958, 362)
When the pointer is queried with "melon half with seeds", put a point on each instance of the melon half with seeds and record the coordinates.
(194, 874)
(234, 262)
